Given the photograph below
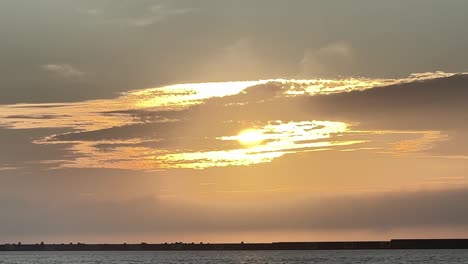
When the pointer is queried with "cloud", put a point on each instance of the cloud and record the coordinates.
(329, 60)
(94, 216)
(422, 104)
(306, 127)
(135, 14)
(19, 152)
(239, 60)
(193, 125)
(7, 168)
(157, 13)
(65, 71)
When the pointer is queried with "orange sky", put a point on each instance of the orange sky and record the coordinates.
(211, 120)
(252, 161)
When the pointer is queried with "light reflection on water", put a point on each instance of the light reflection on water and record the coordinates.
(254, 257)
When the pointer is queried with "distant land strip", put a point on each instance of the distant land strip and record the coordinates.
(350, 245)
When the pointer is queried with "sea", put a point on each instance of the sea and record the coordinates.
(238, 257)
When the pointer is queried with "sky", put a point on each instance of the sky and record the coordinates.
(228, 121)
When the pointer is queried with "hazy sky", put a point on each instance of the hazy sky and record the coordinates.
(217, 120)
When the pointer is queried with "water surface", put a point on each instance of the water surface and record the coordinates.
(238, 257)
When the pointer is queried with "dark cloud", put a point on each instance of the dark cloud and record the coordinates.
(36, 116)
(186, 143)
(163, 130)
(18, 149)
(437, 104)
(430, 104)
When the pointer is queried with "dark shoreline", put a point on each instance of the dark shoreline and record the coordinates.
(350, 245)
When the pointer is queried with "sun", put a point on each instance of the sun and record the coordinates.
(250, 137)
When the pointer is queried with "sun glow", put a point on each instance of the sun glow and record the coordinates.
(264, 144)
(90, 128)
(250, 137)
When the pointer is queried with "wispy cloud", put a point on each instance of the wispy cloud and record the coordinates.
(7, 168)
(421, 144)
(157, 13)
(142, 16)
(66, 71)
(326, 60)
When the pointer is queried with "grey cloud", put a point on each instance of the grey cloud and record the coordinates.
(438, 104)
(186, 142)
(431, 104)
(18, 150)
(40, 105)
(36, 116)
(430, 209)
(163, 130)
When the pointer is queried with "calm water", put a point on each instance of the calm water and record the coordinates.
(238, 257)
